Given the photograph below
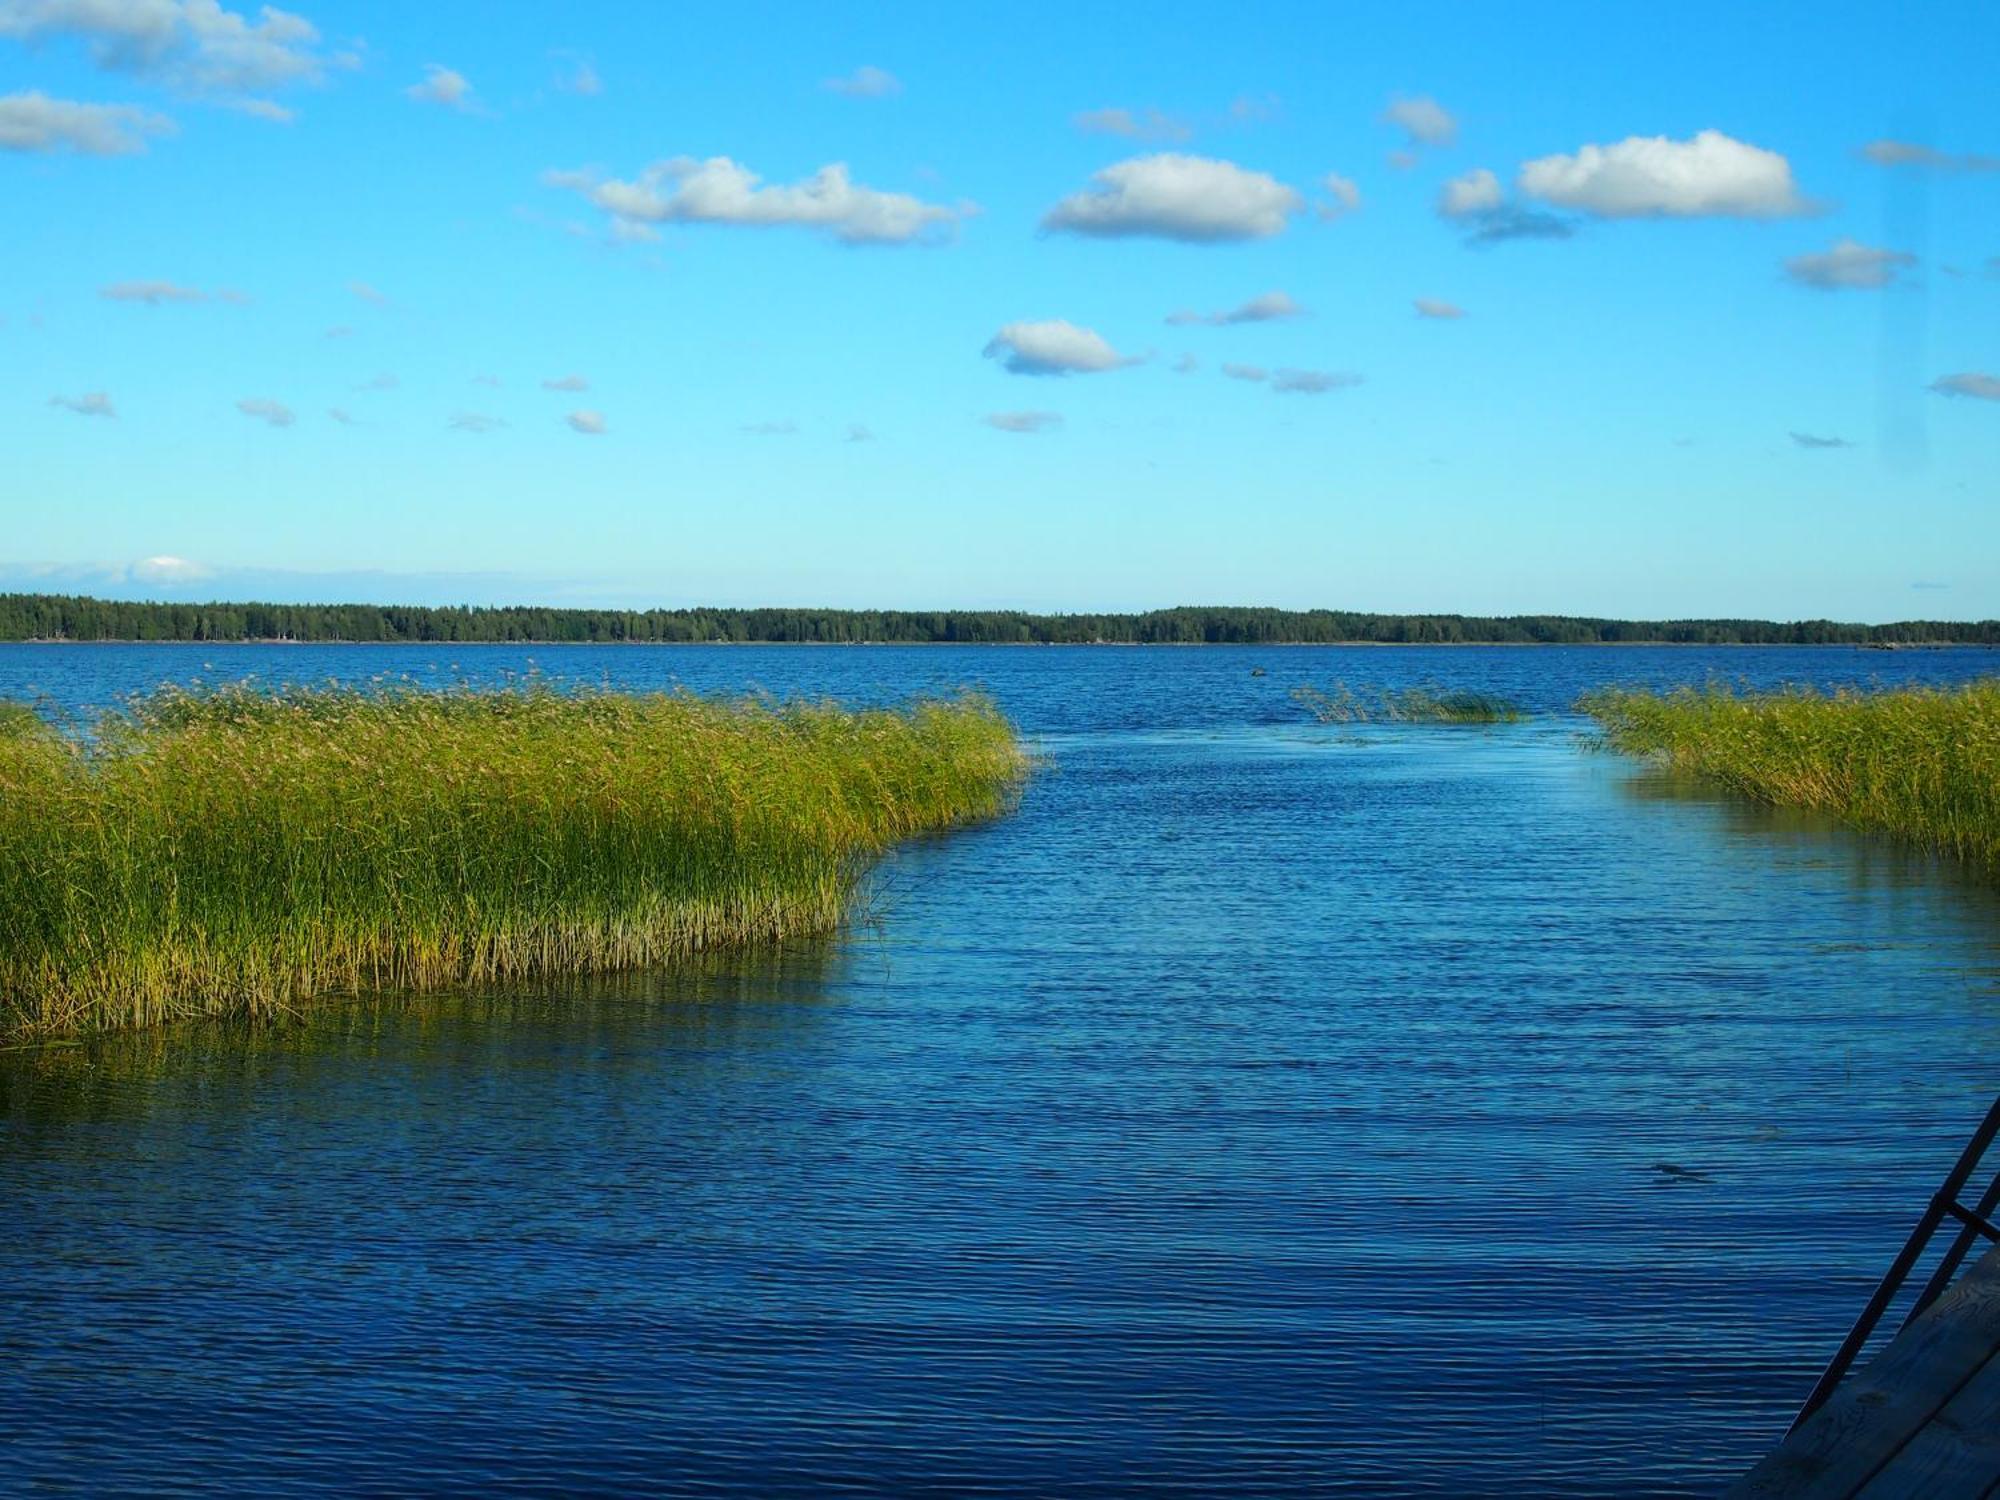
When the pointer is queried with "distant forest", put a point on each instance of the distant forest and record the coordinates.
(48, 617)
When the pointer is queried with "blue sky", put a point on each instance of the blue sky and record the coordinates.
(1728, 281)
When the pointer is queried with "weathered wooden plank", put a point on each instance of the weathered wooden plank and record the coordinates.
(1881, 1407)
(1954, 1454)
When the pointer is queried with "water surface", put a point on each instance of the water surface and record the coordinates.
(1267, 1108)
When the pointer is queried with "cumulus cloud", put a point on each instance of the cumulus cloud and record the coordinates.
(1141, 125)
(1969, 383)
(152, 293)
(1022, 421)
(1709, 176)
(1848, 266)
(784, 428)
(1808, 440)
(442, 85)
(166, 570)
(682, 190)
(589, 423)
(1172, 196)
(1906, 154)
(1313, 382)
(1246, 372)
(35, 122)
(1471, 194)
(472, 421)
(1477, 202)
(264, 409)
(865, 82)
(1431, 307)
(1422, 119)
(566, 383)
(89, 404)
(1053, 347)
(1342, 196)
(1268, 308)
(192, 46)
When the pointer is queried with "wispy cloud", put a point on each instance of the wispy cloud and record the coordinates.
(1255, 373)
(34, 122)
(1811, 440)
(589, 423)
(1270, 307)
(367, 293)
(1432, 307)
(1980, 387)
(566, 383)
(152, 293)
(865, 82)
(264, 409)
(784, 428)
(443, 86)
(857, 432)
(472, 421)
(89, 404)
(1908, 154)
(1133, 125)
(1027, 422)
(683, 190)
(1848, 266)
(1313, 382)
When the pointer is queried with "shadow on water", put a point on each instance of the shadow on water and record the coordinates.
(725, 1005)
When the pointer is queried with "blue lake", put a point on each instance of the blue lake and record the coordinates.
(1265, 1108)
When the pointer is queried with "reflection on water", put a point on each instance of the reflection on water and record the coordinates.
(1264, 1109)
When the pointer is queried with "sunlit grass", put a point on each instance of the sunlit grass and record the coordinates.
(239, 853)
(1406, 706)
(1921, 764)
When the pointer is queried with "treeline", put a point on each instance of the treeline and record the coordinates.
(51, 617)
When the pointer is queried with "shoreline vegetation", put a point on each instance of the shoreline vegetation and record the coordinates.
(1416, 705)
(243, 853)
(1918, 764)
(62, 617)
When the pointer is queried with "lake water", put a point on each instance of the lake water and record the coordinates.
(1266, 1108)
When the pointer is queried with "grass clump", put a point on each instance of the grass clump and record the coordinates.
(1406, 706)
(238, 852)
(1920, 764)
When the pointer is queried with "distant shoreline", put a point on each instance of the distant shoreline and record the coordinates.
(1058, 645)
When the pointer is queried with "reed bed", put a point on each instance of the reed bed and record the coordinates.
(1920, 764)
(238, 853)
(1415, 705)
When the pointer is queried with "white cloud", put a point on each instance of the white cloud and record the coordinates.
(1246, 372)
(264, 409)
(566, 383)
(1970, 383)
(1431, 307)
(1022, 421)
(583, 79)
(1271, 307)
(367, 293)
(1709, 176)
(1141, 125)
(783, 428)
(1343, 197)
(192, 46)
(866, 82)
(857, 432)
(1905, 154)
(89, 404)
(35, 122)
(682, 190)
(342, 416)
(589, 423)
(1187, 364)
(472, 421)
(1178, 197)
(1423, 120)
(442, 85)
(1848, 266)
(1476, 192)
(1808, 440)
(152, 293)
(1313, 382)
(166, 570)
(1054, 347)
